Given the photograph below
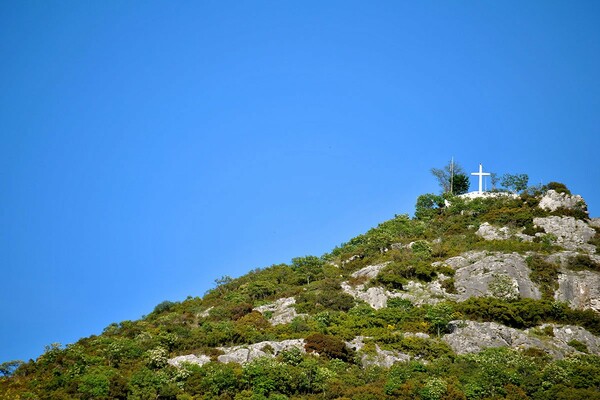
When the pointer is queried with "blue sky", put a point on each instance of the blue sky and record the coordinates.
(149, 148)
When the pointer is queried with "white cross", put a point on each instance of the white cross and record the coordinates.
(481, 175)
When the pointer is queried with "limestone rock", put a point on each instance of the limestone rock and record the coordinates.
(473, 337)
(190, 359)
(567, 333)
(553, 200)
(579, 289)
(570, 233)
(490, 232)
(369, 271)
(478, 274)
(376, 297)
(246, 353)
(283, 310)
(594, 222)
(382, 358)
(206, 312)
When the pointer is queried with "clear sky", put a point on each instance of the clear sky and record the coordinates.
(148, 148)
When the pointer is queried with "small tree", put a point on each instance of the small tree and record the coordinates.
(515, 182)
(308, 268)
(447, 176)
(428, 205)
(461, 184)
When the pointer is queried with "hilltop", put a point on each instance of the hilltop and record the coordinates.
(474, 297)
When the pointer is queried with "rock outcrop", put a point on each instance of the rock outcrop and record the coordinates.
(243, 354)
(418, 293)
(553, 200)
(570, 233)
(189, 359)
(472, 337)
(246, 353)
(490, 232)
(503, 275)
(379, 357)
(370, 271)
(282, 311)
(579, 289)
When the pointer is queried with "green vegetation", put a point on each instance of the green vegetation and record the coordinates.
(544, 274)
(129, 360)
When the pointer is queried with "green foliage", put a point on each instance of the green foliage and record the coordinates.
(558, 187)
(9, 367)
(515, 182)
(439, 316)
(308, 268)
(451, 178)
(428, 206)
(544, 274)
(461, 184)
(582, 262)
(328, 346)
(163, 307)
(577, 345)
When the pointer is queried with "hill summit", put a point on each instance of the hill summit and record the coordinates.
(476, 297)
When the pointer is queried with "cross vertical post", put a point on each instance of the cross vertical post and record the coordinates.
(481, 174)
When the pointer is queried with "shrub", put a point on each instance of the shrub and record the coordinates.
(328, 346)
(163, 307)
(558, 187)
(544, 274)
(583, 262)
(579, 346)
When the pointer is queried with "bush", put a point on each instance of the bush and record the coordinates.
(328, 346)
(163, 307)
(583, 262)
(544, 274)
(558, 187)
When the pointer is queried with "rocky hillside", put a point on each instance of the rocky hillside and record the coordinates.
(496, 296)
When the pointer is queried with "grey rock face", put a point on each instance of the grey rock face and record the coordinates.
(473, 337)
(190, 359)
(594, 222)
(552, 201)
(382, 358)
(247, 353)
(490, 232)
(369, 271)
(567, 333)
(417, 293)
(376, 297)
(283, 310)
(243, 354)
(481, 274)
(570, 233)
(579, 289)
